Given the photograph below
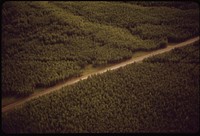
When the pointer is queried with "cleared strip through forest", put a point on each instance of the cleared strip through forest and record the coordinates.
(116, 66)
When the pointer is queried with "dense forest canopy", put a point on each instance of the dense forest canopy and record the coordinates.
(159, 95)
(47, 42)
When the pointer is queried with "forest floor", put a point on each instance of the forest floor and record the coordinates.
(10, 103)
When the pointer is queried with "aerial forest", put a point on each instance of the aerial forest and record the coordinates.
(44, 43)
(161, 94)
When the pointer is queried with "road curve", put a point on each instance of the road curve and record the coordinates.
(122, 64)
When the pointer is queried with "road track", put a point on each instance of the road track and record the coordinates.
(113, 67)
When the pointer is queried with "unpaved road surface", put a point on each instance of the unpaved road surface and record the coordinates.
(122, 64)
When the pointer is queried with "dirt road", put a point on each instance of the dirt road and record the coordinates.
(122, 64)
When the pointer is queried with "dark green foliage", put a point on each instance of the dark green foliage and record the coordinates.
(188, 54)
(163, 44)
(149, 23)
(75, 34)
(34, 74)
(141, 97)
